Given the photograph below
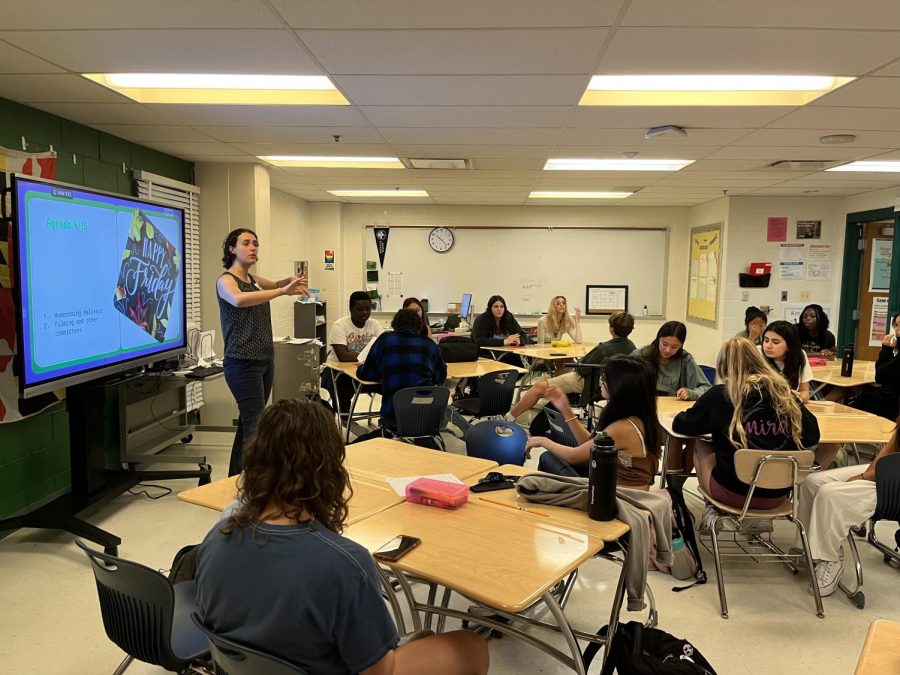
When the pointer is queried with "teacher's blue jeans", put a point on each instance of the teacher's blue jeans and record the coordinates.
(250, 382)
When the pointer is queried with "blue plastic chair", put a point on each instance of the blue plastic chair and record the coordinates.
(495, 395)
(420, 413)
(502, 442)
(559, 428)
(710, 373)
(233, 658)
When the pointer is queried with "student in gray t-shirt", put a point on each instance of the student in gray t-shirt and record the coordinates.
(277, 574)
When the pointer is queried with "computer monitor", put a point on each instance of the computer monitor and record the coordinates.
(466, 305)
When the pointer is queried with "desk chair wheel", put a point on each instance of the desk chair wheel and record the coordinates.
(188, 438)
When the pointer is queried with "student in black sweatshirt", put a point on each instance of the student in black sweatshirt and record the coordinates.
(754, 408)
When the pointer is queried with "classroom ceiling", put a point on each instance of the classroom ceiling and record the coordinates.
(494, 82)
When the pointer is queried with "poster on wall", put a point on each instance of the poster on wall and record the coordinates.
(809, 229)
(792, 262)
(703, 288)
(776, 229)
(880, 272)
(329, 260)
(792, 310)
(878, 326)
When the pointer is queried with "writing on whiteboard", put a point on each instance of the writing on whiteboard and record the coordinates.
(532, 283)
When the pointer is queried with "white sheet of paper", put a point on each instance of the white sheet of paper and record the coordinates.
(399, 484)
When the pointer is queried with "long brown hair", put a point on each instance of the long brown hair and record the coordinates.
(295, 461)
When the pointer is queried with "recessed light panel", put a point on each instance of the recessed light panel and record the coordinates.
(872, 165)
(551, 194)
(583, 164)
(311, 161)
(378, 193)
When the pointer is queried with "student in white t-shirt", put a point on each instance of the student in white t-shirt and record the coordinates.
(349, 336)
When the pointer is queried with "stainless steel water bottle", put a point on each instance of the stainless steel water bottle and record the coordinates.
(602, 478)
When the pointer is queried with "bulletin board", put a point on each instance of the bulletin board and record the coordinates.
(704, 282)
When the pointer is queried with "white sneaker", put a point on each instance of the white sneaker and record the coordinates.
(707, 519)
(828, 575)
(509, 418)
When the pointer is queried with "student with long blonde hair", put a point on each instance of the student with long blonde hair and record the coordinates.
(753, 408)
(558, 322)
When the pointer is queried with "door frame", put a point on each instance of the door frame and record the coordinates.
(851, 269)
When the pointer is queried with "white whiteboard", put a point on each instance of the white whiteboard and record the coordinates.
(527, 266)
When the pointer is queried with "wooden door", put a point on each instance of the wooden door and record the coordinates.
(882, 230)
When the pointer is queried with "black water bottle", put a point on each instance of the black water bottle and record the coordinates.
(847, 361)
(602, 478)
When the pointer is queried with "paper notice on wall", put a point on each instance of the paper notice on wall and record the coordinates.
(818, 271)
(878, 324)
(776, 229)
(791, 310)
(819, 252)
(880, 273)
(791, 271)
(792, 252)
(395, 283)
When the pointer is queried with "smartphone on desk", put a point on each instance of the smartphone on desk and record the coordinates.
(396, 548)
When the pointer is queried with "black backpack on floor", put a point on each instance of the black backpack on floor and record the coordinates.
(637, 650)
(458, 349)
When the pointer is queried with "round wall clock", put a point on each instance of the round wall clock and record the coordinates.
(440, 239)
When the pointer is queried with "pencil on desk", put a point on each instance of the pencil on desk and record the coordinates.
(513, 506)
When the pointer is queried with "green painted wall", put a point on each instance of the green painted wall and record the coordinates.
(34, 453)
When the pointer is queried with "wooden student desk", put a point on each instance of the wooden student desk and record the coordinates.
(468, 369)
(530, 355)
(369, 497)
(880, 654)
(338, 369)
(830, 375)
(381, 458)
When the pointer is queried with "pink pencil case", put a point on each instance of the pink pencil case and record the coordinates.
(437, 493)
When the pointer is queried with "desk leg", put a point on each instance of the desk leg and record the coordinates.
(410, 598)
(528, 365)
(357, 387)
(566, 630)
(337, 399)
(614, 614)
(391, 597)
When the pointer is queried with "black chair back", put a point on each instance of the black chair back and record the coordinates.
(887, 488)
(559, 428)
(420, 411)
(495, 392)
(233, 658)
(138, 609)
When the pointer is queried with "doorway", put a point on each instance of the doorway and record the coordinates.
(874, 287)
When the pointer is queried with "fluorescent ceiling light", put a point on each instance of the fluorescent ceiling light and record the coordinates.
(379, 193)
(579, 164)
(551, 194)
(333, 162)
(872, 165)
(220, 89)
(708, 90)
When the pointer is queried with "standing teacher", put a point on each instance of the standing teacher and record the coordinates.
(249, 361)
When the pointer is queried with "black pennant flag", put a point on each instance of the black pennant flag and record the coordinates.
(381, 241)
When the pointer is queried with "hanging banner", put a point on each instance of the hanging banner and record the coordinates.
(13, 408)
(381, 242)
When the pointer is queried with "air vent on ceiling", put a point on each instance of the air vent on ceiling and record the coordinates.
(416, 163)
(799, 164)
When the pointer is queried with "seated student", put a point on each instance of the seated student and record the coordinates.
(620, 326)
(399, 359)
(497, 327)
(349, 336)
(813, 331)
(557, 322)
(754, 325)
(781, 349)
(753, 408)
(884, 397)
(629, 417)
(831, 502)
(416, 304)
(677, 374)
(277, 574)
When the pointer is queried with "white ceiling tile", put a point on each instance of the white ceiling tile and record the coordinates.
(721, 183)
(462, 90)
(63, 14)
(635, 137)
(15, 60)
(417, 14)
(616, 151)
(772, 154)
(279, 134)
(442, 174)
(206, 51)
(510, 163)
(335, 149)
(506, 117)
(689, 117)
(810, 137)
(55, 88)
(724, 166)
(872, 14)
(454, 52)
(107, 113)
(750, 51)
(877, 92)
(206, 150)
(891, 70)
(273, 115)
(473, 151)
(848, 119)
(419, 136)
(141, 133)
(806, 192)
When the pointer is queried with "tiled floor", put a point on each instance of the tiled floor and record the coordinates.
(50, 622)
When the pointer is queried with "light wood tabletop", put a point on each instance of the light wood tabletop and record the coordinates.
(382, 458)
(500, 557)
(881, 651)
(863, 373)
(573, 518)
(545, 351)
(369, 496)
(347, 368)
(466, 369)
